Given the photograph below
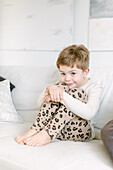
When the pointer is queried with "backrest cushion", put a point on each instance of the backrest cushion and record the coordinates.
(105, 78)
(31, 81)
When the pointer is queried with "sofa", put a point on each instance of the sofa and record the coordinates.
(58, 155)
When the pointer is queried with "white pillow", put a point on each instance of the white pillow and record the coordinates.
(7, 109)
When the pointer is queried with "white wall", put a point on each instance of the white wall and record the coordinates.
(98, 58)
(33, 32)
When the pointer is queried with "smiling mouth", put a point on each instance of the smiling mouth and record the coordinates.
(69, 84)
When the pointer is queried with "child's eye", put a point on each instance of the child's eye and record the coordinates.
(73, 73)
(63, 74)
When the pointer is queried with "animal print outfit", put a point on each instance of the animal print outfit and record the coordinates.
(60, 122)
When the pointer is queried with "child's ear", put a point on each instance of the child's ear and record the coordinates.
(86, 72)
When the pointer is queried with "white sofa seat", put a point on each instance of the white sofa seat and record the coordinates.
(58, 155)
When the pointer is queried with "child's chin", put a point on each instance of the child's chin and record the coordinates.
(71, 87)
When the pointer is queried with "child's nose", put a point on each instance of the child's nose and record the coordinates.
(67, 77)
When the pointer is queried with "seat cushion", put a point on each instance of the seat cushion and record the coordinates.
(59, 155)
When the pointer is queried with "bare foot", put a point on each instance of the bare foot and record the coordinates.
(39, 139)
(19, 139)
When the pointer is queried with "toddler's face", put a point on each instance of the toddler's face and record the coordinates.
(73, 76)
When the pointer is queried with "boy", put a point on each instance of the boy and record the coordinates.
(67, 107)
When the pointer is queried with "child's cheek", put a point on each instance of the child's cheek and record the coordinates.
(61, 79)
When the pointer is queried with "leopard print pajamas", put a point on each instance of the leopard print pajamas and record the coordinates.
(60, 122)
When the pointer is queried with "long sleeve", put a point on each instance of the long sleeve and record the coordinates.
(88, 110)
(41, 98)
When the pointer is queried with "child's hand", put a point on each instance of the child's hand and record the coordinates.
(56, 93)
(47, 99)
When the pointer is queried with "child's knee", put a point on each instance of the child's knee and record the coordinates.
(79, 94)
(49, 106)
(63, 86)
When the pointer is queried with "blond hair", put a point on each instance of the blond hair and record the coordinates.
(72, 55)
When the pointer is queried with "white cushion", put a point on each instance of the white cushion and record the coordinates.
(60, 155)
(105, 78)
(7, 109)
(29, 82)
(28, 115)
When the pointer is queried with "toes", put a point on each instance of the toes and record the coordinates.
(30, 142)
(37, 144)
(26, 140)
(21, 143)
(18, 139)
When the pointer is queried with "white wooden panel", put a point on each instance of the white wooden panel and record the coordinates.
(101, 25)
(81, 35)
(27, 26)
(101, 34)
(101, 59)
(36, 24)
(28, 58)
(35, 58)
(81, 20)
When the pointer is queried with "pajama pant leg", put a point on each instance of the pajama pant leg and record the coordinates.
(47, 111)
(55, 125)
(65, 124)
(77, 129)
(107, 137)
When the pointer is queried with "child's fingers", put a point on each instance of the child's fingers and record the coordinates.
(53, 96)
(57, 97)
(61, 96)
(56, 94)
(46, 90)
(47, 99)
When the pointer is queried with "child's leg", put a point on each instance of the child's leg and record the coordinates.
(107, 137)
(47, 111)
(54, 126)
(64, 115)
(77, 129)
(79, 94)
(68, 126)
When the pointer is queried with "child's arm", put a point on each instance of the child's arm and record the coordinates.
(47, 99)
(88, 110)
(41, 98)
(55, 94)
